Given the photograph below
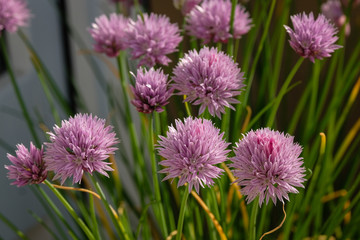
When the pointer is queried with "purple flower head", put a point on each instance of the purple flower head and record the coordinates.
(13, 14)
(210, 21)
(108, 34)
(152, 38)
(210, 79)
(185, 5)
(332, 10)
(151, 90)
(313, 39)
(191, 150)
(28, 166)
(267, 164)
(80, 145)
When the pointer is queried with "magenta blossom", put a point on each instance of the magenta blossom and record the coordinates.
(151, 90)
(267, 164)
(191, 150)
(108, 34)
(313, 39)
(28, 166)
(210, 21)
(152, 38)
(80, 145)
(210, 79)
(13, 14)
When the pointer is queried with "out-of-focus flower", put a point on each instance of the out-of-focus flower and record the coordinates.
(28, 166)
(209, 78)
(13, 14)
(80, 145)
(267, 164)
(185, 5)
(332, 10)
(313, 39)
(152, 38)
(191, 150)
(151, 90)
(108, 34)
(210, 21)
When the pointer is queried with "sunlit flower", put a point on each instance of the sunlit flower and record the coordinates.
(313, 39)
(210, 21)
(152, 38)
(13, 14)
(151, 90)
(80, 145)
(108, 34)
(267, 164)
(191, 150)
(210, 79)
(28, 166)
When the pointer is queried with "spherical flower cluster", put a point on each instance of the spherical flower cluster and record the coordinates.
(13, 14)
(150, 39)
(80, 145)
(210, 21)
(267, 164)
(185, 5)
(28, 166)
(209, 78)
(151, 90)
(332, 10)
(108, 34)
(191, 150)
(313, 39)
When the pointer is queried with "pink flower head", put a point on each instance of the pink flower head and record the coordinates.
(191, 150)
(80, 145)
(185, 5)
(151, 90)
(313, 39)
(108, 34)
(210, 21)
(209, 78)
(152, 38)
(332, 10)
(28, 166)
(267, 164)
(13, 14)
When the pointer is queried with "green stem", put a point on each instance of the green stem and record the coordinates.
(256, 59)
(93, 218)
(160, 209)
(282, 92)
(72, 212)
(138, 157)
(118, 224)
(18, 93)
(182, 213)
(252, 225)
(230, 46)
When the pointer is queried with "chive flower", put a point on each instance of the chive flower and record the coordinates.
(210, 21)
(151, 38)
(80, 144)
(13, 14)
(151, 90)
(267, 164)
(312, 38)
(28, 166)
(108, 34)
(332, 10)
(191, 150)
(208, 78)
(185, 5)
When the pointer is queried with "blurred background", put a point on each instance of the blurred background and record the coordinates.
(66, 53)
